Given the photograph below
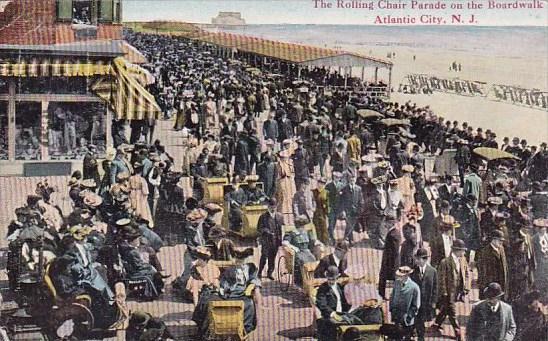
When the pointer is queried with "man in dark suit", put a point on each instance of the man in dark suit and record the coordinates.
(426, 278)
(487, 218)
(453, 285)
(337, 258)
(270, 128)
(269, 228)
(334, 192)
(120, 164)
(390, 258)
(351, 206)
(491, 319)
(492, 264)
(241, 155)
(332, 303)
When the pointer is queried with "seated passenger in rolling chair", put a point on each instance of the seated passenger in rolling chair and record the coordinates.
(222, 248)
(255, 195)
(339, 306)
(302, 243)
(138, 266)
(233, 285)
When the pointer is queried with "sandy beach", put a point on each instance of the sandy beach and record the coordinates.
(494, 56)
(505, 119)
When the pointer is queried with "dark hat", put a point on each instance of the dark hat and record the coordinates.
(301, 221)
(191, 203)
(139, 318)
(537, 186)
(132, 234)
(342, 245)
(458, 244)
(272, 202)
(422, 253)
(217, 232)
(532, 296)
(493, 290)
(471, 197)
(445, 204)
(33, 199)
(332, 272)
(22, 211)
(497, 234)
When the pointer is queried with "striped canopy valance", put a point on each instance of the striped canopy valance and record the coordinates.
(53, 67)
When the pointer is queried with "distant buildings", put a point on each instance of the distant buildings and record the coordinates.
(229, 19)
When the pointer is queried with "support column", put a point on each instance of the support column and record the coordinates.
(363, 73)
(44, 138)
(377, 74)
(108, 128)
(390, 81)
(298, 71)
(11, 120)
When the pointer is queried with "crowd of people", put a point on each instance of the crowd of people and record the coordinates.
(312, 156)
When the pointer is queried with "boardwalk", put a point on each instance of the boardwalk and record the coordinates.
(286, 314)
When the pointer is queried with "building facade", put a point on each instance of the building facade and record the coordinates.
(64, 78)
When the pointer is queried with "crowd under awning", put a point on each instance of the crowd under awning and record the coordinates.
(303, 55)
(121, 82)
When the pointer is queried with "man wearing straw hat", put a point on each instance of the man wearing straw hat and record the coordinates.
(405, 301)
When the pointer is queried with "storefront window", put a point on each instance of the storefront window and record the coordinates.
(73, 127)
(3, 130)
(59, 85)
(3, 86)
(27, 130)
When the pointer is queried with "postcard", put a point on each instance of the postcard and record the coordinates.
(273, 170)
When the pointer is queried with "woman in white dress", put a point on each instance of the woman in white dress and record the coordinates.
(138, 196)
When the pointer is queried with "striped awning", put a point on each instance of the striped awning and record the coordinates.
(126, 95)
(56, 67)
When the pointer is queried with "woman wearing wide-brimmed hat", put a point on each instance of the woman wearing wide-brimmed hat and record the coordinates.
(203, 272)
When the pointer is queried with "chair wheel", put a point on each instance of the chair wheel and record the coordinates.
(283, 274)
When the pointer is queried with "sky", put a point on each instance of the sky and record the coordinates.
(304, 11)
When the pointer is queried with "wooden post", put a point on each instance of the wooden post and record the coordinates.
(377, 74)
(44, 140)
(298, 71)
(108, 129)
(363, 73)
(345, 78)
(389, 81)
(11, 120)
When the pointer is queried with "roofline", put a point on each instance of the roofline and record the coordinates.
(204, 35)
(345, 53)
(26, 50)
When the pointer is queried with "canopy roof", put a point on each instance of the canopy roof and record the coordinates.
(289, 52)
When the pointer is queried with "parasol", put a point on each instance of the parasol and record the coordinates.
(491, 154)
(390, 122)
(368, 113)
